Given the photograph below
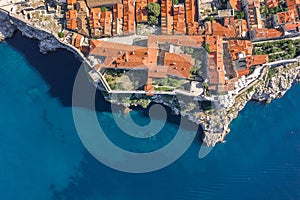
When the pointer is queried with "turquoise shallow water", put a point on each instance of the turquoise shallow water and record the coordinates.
(41, 156)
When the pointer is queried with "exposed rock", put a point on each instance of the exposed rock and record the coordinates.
(7, 29)
(215, 123)
(49, 44)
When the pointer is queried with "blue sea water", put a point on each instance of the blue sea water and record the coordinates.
(41, 156)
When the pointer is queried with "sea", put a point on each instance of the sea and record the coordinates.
(42, 156)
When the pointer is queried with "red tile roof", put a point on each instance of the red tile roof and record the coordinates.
(243, 72)
(286, 17)
(118, 10)
(179, 65)
(272, 3)
(149, 88)
(71, 14)
(215, 60)
(166, 17)
(106, 22)
(290, 27)
(191, 17)
(179, 20)
(156, 71)
(292, 3)
(236, 4)
(220, 30)
(241, 28)
(72, 24)
(261, 33)
(141, 11)
(94, 18)
(71, 2)
(256, 60)
(184, 40)
(98, 3)
(129, 19)
(239, 46)
(78, 41)
(118, 19)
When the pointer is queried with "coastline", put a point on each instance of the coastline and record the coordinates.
(215, 124)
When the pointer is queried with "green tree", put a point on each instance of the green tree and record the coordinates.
(153, 9)
(152, 20)
(210, 18)
(207, 48)
(61, 34)
(103, 9)
(188, 50)
(175, 2)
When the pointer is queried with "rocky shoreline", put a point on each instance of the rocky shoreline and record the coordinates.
(215, 123)
(47, 42)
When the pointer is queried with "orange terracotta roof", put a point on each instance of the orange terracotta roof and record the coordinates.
(149, 88)
(236, 4)
(239, 46)
(71, 2)
(106, 22)
(71, 14)
(261, 33)
(215, 60)
(240, 27)
(129, 19)
(191, 17)
(290, 27)
(179, 20)
(118, 10)
(166, 17)
(94, 18)
(179, 64)
(243, 72)
(94, 44)
(228, 21)
(292, 3)
(182, 40)
(118, 19)
(286, 17)
(156, 71)
(122, 55)
(272, 3)
(78, 41)
(72, 24)
(256, 60)
(191, 12)
(141, 11)
(104, 48)
(81, 6)
(97, 3)
(220, 30)
(254, 17)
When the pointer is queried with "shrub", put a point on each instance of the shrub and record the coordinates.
(207, 48)
(175, 2)
(153, 9)
(61, 34)
(103, 9)
(152, 20)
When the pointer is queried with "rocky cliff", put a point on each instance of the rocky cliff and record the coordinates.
(215, 123)
(275, 83)
(47, 42)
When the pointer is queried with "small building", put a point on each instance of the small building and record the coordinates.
(179, 20)
(117, 19)
(191, 17)
(166, 17)
(129, 17)
(141, 11)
